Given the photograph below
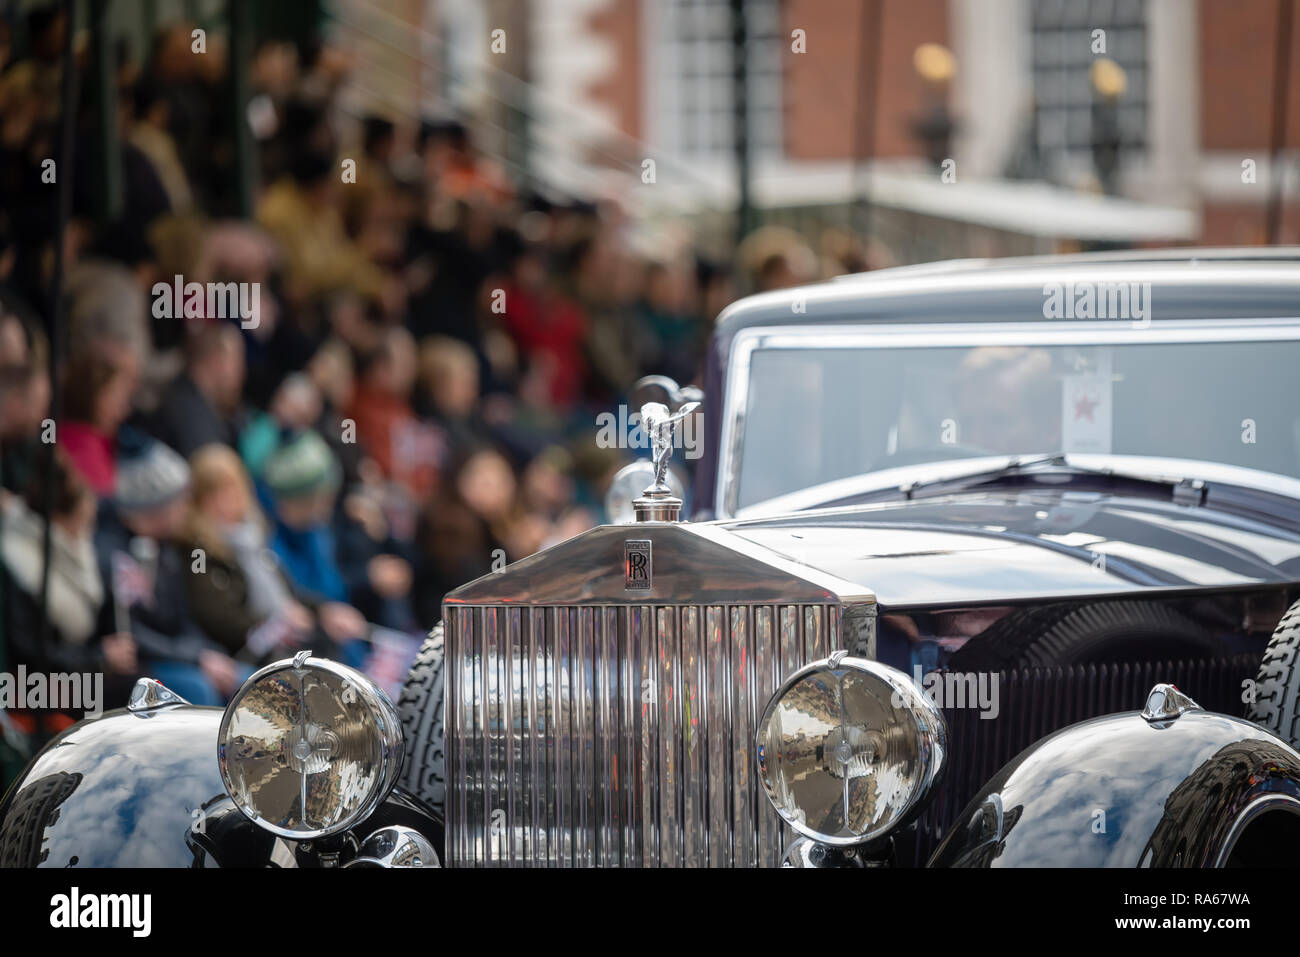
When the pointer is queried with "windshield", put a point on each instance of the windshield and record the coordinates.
(818, 414)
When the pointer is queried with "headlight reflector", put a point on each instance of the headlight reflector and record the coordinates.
(848, 749)
(309, 747)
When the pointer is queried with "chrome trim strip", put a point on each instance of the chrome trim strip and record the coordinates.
(648, 764)
(493, 743)
(607, 711)
(765, 671)
(717, 703)
(561, 697)
(743, 828)
(513, 706)
(540, 726)
(669, 693)
(1261, 804)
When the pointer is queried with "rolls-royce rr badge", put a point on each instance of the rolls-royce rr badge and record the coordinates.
(637, 567)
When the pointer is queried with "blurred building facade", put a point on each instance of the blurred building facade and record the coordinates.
(607, 84)
(579, 96)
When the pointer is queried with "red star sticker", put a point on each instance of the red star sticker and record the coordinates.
(1084, 406)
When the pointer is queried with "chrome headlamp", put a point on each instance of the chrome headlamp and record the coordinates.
(848, 750)
(629, 483)
(309, 747)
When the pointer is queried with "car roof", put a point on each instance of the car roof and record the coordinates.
(1219, 283)
(1175, 254)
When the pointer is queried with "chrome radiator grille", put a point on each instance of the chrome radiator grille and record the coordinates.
(616, 735)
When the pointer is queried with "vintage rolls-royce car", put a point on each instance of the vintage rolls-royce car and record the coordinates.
(988, 564)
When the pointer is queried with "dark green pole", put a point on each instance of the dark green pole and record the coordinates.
(109, 196)
(241, 52)
(741, 146)
(67, 163)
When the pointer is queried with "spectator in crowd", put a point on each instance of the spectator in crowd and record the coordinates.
(487, 485)
(456, 546)
(108, 311)
(236, 591)
(174, 69)
(376, 562)
(449, 392)
(296, 405)
(666, 311)
(142, 562)
(76, 590)
(148, 133)
(302, 212)
(24, 401)
(240, 595)
(96, 401)
(407, 449)
(331, 371)
(202, 403)
(433, 343)
(548, 327)
(303, 479)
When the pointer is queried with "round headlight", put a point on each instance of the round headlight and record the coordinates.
(629, 483)
(848, 749)
(309, 747)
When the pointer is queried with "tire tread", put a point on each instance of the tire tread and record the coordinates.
(1277, 687)
(420, 710)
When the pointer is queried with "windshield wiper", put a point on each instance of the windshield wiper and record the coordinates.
(1184, 491)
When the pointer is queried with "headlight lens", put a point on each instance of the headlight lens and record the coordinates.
(628, 484)
(309, 747)
(848, 749)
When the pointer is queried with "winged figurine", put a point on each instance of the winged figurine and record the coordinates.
(659, 424)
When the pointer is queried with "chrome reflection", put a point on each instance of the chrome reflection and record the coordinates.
(629, 483)
(848, 750)
(395, 847)
(805, 852)
(309, 747)
(150, 694)
(617, 736)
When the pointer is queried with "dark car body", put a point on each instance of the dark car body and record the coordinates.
(946, 562)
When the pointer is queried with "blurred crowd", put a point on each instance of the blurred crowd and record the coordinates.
(409, 402)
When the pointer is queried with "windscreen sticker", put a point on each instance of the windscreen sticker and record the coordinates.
(1086, 408)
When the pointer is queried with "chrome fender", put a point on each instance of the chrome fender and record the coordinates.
(142, 788)
(128, 789)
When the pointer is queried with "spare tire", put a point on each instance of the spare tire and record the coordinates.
(419, 708)
(1068, 633)
(1277, 688)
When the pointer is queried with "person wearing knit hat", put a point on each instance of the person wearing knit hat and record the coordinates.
(303, 478)
(149, 474)
(303, 466)
(145, 569)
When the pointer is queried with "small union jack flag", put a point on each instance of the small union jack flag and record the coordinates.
(132, 584)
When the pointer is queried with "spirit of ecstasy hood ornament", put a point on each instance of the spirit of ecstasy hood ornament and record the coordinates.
(657, 503)
(660, 426)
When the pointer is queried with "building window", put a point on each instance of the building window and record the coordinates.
(693, 75)
(1062, 44)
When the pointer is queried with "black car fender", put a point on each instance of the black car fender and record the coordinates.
(143, 789)
(1197, 790)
